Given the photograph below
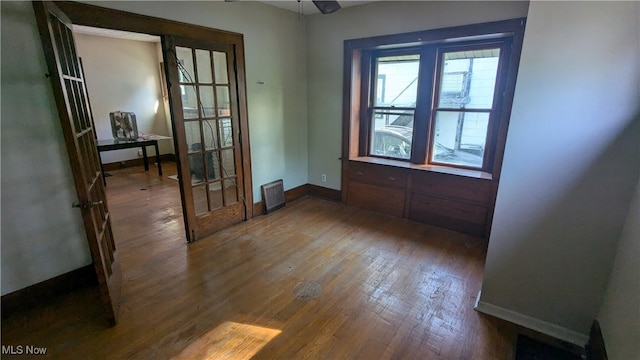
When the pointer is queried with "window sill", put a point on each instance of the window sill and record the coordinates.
(476, 174)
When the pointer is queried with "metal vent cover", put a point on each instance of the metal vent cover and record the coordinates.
(273, 195)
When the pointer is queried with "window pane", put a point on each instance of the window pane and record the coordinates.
(185, 65)
(397, 81)
(230, 191)
(228, 163)
(210, 139)
(189, 102)
(203, 59)
(468, 79)
(192, 133)
(196, 168)
(220, 63)
(213, 165)
(215, 195)
(391, 133)
(224, 104)
(226, 135)
(200, 200)
(207, 101)
(460, 138)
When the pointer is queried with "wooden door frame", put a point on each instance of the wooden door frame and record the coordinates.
(95, 16)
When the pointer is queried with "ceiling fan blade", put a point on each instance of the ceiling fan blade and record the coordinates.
(326, 7)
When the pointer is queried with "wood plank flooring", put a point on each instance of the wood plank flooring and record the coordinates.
(315, 280)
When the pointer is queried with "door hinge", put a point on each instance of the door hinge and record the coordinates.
(88, 204)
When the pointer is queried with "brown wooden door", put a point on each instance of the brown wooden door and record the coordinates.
(204, 102)
(77, 125)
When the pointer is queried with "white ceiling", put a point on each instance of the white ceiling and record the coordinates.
(305, 7)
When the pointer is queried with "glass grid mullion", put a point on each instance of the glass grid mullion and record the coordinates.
(463, 110)
(203, 150)
(216, 122)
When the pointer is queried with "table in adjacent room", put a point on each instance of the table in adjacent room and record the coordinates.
(108, 145)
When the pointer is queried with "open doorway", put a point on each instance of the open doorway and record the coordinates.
(225, 110)
(123, 72)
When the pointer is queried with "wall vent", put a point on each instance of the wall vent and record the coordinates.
(273, 195)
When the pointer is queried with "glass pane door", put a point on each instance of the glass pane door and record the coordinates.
(205, 107)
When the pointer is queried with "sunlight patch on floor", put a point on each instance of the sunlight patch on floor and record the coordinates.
(230, 340)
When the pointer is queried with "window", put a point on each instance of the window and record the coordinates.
(466, 88)
(437, 98)
(394, 106)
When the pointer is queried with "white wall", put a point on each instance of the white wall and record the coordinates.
(42, 235)
(124, 75)
(619, 315)
(326, 35)
(570, 166)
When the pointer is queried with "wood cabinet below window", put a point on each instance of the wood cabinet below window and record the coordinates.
(450, 201)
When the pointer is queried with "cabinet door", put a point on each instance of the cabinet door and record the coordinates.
(382, 199)
(377, 174)
(451, 186)
(447, 213)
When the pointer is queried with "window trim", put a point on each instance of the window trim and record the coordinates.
(357, 53)
(494, 112)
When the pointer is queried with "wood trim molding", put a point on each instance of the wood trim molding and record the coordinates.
(36, 294)
(138, 162)
(300, 191)
(289, 195)
(92, 15)
(325, 193)
(296, 193)
(258, 209)
(541, 326)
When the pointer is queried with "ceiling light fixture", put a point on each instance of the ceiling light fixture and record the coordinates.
(327, 7)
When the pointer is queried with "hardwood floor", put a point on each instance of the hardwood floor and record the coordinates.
(315, 280)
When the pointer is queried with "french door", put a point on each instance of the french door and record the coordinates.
(204, 101)
(72, 101)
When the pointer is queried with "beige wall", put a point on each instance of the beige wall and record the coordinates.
(570, 166)
(124, 75)
(326, 35)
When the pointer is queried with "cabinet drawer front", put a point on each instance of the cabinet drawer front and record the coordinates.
(449, 214)
(478, 190)
(377, 174)
(376, 198)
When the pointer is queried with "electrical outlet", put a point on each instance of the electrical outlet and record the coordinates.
(324, 177)
(139, 152)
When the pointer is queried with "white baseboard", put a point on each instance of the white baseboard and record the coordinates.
(529, 322)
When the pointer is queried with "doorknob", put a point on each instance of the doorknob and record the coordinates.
(86, 204)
